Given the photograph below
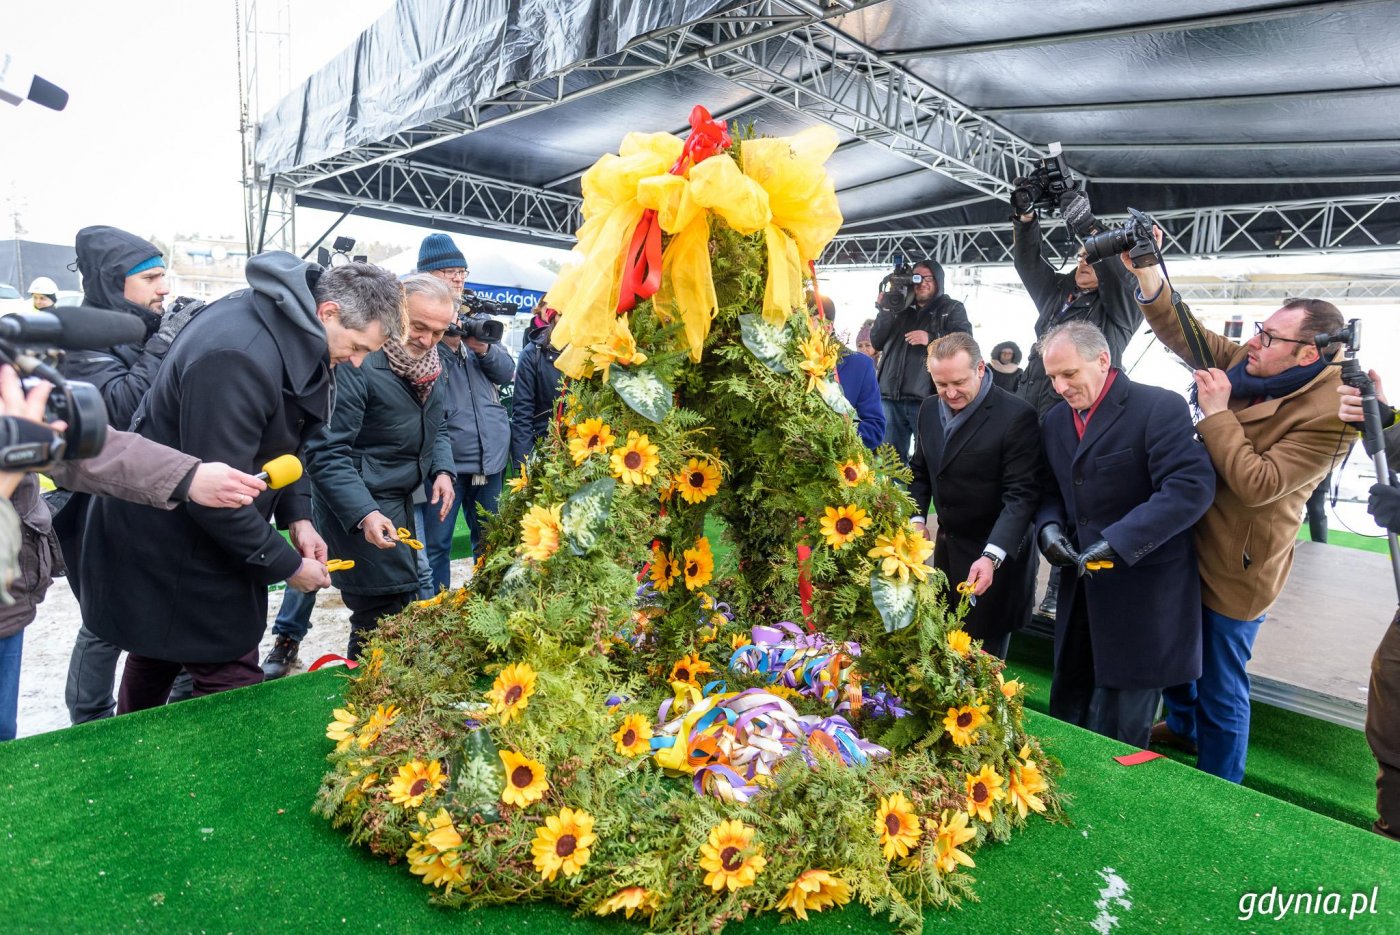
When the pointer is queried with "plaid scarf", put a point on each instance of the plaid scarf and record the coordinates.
(419, 372)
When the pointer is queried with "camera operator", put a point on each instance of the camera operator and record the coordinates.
(902, 336)
(129, 467)
(386, 438)
(1101, 294)
(536, 385)
(1269, 422)
(1383, 696)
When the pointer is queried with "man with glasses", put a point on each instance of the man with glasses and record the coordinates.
(1269, 422)
(1100, 294)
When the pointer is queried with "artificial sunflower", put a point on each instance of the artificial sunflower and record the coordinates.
(730, 858)
(415, 782)
(563, 843)
(383, 716)
(699, 564)
(902, 554)
(960, 642)
(637, 461)
(815, 890)
(949, 834)
(634, 736)
(520, 481)
(962, 723)
(843, 525)
(1024, 785)
(510, 692)
(664, 569)
(375, 665)
(819, 356)
(897, 826)
(633, 899)
(342, 729)
(983, 789)
(699, 481)
(525, 782)
(688, 669)
(433, 854)
(853, 472)
(1009, 689)
(737, 640)
(588, 438)
(619, 348)
(539, 532)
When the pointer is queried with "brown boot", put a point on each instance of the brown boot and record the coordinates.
(1164, 736)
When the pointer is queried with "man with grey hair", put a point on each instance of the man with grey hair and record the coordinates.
(977, 461)
(386, 438)
(249, 379)
(1130, 481)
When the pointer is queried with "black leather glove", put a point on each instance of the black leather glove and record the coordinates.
(1074, 208)
(1021, 203)
(1384, 505)
(1056, 548)
(1098, 557)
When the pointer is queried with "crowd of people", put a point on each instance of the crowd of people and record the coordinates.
(1169, 531)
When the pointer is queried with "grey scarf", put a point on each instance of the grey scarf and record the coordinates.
(951, 420)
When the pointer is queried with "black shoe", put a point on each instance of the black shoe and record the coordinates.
(281, 659)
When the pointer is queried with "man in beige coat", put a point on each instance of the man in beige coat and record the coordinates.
(1269, 422)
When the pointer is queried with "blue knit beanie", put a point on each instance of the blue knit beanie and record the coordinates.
(145, 265)
(439, 252)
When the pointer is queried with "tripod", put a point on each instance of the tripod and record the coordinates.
(1373, 441)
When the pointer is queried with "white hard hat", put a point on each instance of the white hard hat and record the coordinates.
(43, 286)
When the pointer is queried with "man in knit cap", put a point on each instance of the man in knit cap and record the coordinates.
(437, 254)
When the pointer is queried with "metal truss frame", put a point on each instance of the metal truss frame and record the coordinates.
(1336, 225)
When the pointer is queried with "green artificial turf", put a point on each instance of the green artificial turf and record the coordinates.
(1350, 540)
(195, 817)
(1315, 764)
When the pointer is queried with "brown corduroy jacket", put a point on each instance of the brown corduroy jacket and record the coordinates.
(1268, 458)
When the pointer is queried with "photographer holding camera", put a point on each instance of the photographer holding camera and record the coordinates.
(1100, 293)
(129, 467)
(909, 319)
(474, 368)
(1383, 694)
(1269, 423)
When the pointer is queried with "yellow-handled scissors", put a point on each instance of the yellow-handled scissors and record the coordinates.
(407, 539)
(340, 564)
(966, 589)
(1097, 566)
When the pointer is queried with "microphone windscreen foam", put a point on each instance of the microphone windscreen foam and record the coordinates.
(87, 328)
(282, 470)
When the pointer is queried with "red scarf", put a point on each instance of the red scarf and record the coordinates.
(1081, 423)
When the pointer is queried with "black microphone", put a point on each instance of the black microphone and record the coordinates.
(78, 328)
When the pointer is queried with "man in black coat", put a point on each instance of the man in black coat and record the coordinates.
(902, 337)
(1130, 481)
(536, 386)
(249, 380)
(977, 460)
(387, 437)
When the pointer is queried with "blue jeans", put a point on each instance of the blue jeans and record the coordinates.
(901, 422)
(294, 616)
(11, 650)
(438, 533)
(1213, 711)
(425, 571)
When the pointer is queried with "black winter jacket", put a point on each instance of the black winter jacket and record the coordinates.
(903, 372)
(536, 392)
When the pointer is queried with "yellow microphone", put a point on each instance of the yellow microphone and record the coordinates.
(281, 471)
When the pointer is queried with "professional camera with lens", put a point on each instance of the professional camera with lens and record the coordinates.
(1043, 188)
(25, 446)
(1134, 236)
(897, 288)
(476, 321)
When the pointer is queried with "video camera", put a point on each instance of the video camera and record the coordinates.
(1134, 236)
(475, 319)
(897, 288)
(1046, 184)
(27, 343)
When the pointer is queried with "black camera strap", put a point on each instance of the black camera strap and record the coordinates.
(1193, 334)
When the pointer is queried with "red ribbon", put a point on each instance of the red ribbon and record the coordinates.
(331, 659)
(804, 578)
(641, 270)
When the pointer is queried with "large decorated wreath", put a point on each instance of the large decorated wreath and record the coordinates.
(631, 710)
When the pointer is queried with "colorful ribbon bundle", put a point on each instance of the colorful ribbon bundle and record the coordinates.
(806, 662)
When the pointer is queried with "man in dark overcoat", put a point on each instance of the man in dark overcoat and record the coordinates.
(1130, 480)
(387, 437)
(248, 380)
(977, 460)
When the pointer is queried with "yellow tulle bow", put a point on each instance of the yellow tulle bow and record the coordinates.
(782, 190)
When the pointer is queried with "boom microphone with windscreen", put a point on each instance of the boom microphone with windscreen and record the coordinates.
(79, 328)
(281, 471)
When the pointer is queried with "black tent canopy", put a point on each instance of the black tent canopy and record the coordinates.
(1245, 128)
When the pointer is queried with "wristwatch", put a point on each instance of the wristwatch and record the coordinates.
(996, 562)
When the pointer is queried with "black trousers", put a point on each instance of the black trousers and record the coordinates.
(146, 682)
(366, 610)
(1383, 729)
(1124, 714)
